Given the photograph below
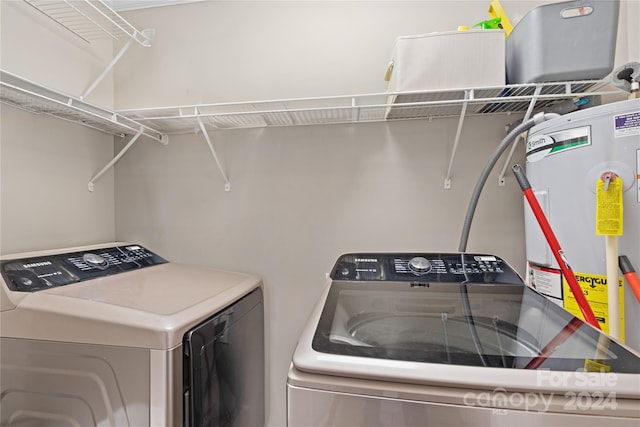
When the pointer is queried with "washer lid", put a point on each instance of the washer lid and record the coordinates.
(151, 306)
(505, 326)
(461, 333)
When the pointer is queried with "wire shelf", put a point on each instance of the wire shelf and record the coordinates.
(29, 96)
(157, 123)
(367, 108)
(90, 20)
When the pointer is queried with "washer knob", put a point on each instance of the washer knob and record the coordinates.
(419, 265)
(25, 281)
(94, 260)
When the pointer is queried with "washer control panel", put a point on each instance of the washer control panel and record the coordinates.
(424, 267)
(49, 271)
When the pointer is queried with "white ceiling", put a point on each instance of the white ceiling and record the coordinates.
(121, 5)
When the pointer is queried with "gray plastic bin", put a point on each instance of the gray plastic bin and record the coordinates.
(572, 40)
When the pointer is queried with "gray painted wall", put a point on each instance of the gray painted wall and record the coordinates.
(46, 163)
(43, 178)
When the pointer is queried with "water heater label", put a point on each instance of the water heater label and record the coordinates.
(627, 124)
(541, 146)
(547, 281)
(594, 288)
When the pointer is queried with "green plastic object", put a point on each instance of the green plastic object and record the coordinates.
(490, 24)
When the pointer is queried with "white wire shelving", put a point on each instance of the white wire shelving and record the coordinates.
(92, 20)
(31, 97)
(89, 20)
(159, 122)
(365, 108)
(388, 106)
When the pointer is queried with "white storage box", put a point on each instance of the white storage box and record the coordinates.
(448, 60)
(440, 63)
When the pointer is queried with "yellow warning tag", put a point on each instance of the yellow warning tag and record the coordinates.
(609, 207)
(594, 288)
(593, 366)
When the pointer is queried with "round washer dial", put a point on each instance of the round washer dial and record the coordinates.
(94, 260)
(419, 265)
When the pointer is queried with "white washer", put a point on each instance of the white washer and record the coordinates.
(114, 335)
(410, 339)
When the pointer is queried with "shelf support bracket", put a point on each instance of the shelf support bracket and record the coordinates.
(355, 111)
(227, 184)
(527, 115)
(146, 36)
(468, 95)
(108, 69)
(115, 159)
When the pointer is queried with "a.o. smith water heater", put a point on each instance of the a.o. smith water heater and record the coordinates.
(566, 158)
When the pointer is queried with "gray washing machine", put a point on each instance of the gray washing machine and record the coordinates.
(452, 339)
(114, 335)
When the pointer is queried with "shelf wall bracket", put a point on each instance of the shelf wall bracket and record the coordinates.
(514, 145)
(90, 20)
(115, 159)
(355, 112)
(468, 95)
(108, 69)
(147, 36)
(227, 184)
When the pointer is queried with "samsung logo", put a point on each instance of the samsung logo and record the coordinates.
(366, 260)
(36, 264)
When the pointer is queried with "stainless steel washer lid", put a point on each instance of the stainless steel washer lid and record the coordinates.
(149, 308)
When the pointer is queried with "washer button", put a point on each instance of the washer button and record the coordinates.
(25, 281)
(419, 265)
(94, 260)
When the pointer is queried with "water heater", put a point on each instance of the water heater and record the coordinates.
(568, 161)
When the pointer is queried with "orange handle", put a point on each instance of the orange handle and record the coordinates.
(634, 284)
(630, 275)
